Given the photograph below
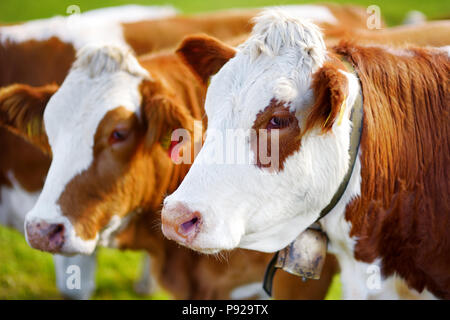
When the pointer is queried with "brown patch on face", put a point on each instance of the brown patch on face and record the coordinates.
(276, 116)
(113, 182)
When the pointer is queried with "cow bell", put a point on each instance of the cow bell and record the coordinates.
(304, 257)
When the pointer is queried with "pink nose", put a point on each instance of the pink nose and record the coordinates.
(181, 224)
(45, 237)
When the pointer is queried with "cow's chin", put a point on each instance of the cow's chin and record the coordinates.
(85, 247)
(212, 246)
(278, 235)
(213, 241)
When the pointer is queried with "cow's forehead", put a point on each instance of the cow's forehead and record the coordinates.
(276, 62)
(244, 87)
(82, 102)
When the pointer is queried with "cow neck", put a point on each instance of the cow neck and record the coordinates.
(356, 118)
(291, 251)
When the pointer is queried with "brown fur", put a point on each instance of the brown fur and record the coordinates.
(28, 164)
(329, 86)
(213, 55)
(403, 214)
(435, 33)
(166, 33)
(348, 16)
(35, 62)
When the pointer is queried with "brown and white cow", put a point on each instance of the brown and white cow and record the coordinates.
(107, 129)
(34, 53)
(389, 227)
(40, 52)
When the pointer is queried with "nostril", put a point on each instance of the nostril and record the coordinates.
(189, 226)
(55, 232)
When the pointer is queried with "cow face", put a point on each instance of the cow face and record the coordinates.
(281, 81)
(103, 126)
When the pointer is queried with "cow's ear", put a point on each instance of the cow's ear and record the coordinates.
(162, 115)
(330, 87)
(22, 112)
(205, 55)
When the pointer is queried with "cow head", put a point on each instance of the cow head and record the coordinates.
(283, 81)
(104, 128)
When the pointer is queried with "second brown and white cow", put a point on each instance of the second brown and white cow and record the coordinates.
(386, 199)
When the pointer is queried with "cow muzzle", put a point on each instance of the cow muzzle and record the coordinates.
(45, 236)
(181, 224)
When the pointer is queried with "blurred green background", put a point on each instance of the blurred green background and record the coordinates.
(28, 274)
(393, 10)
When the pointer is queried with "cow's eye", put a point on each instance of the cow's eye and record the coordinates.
(118, 136)
(278, 122)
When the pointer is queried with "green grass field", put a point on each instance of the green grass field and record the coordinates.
(28, 274)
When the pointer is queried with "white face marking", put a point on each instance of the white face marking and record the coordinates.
(96, 85)
(89, 27)
(245, 206)
(15, 202)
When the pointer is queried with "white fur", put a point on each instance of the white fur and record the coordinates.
(89, 27)
(71, 119)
